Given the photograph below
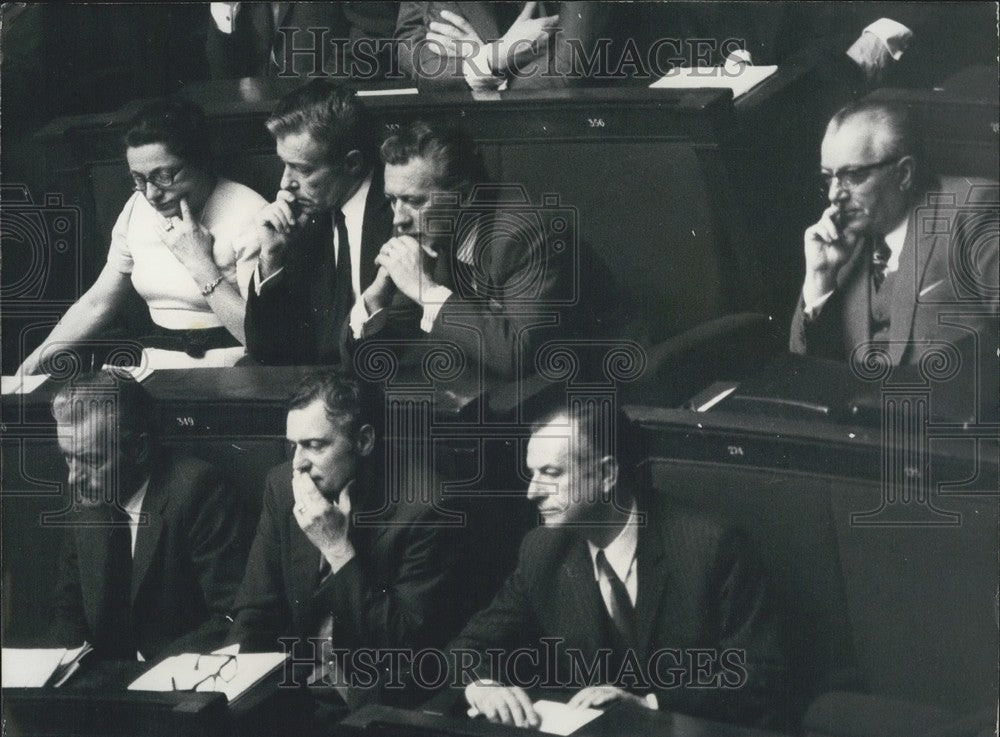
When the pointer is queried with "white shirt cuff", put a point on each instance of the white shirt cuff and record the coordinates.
(811, 309)
(363, 328)
(893, 34)
(434, 299)
(258, 282)
(652, 702)
(477, 71)
(224, 16)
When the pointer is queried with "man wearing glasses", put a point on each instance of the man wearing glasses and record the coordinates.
(895, 250)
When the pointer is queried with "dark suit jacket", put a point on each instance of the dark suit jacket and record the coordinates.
(397, 592)
(529, 284)
(187, 565)
(297, 319)
(256, 49)
(943, 270)
(697, 588)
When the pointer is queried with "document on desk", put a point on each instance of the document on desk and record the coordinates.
(740, 82)
(232, 675)
(37, 667)
(558, 718)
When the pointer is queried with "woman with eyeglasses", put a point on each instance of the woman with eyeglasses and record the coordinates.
(175, 244)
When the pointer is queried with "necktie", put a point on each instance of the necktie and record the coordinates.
(622, 614)
(118, 592)
(880, 262)
(344, 288)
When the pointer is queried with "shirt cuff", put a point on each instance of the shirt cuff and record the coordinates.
(811, 309)
(258, 282)
(477, 71)
(434, 299)
(340, 561)
(224, 16)
(893, 34)
(652, 702)
(368, 327)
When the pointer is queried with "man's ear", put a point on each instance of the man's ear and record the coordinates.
(354, 162)
(907, 172)
(364, 444)
(609, 473)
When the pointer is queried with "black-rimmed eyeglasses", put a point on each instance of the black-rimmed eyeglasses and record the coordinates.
(162, 178)
(852, 176)
(220, 667)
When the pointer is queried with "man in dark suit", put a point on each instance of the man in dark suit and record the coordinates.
(339, 561)
(158, 547)
(620, 597)
(319, 238)
(477, 266)
(899, 262)
(351, 39)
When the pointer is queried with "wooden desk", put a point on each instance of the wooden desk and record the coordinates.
(615, 722)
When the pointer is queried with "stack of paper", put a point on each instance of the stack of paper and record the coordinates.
(38, 667)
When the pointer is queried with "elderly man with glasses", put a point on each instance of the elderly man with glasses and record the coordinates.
(900, 263)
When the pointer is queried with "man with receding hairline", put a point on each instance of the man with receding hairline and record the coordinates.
(319, 238)
(627, 583)
(156, 543)
(893, 254)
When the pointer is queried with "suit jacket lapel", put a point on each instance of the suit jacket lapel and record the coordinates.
(303, 568)
(92, 558)
(579, 599)
(652, 581)
(912, 265)
(148, 536)
(481, 18)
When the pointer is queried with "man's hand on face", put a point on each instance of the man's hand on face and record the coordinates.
(324, 522)
(502, 704)
(408, 264)
(827, 248)
(274, 225)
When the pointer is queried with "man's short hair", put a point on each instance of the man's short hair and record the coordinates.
(178, 124)
(340, 393)
(331, 114)
(107, 390)
(896, 129)
(459, 164)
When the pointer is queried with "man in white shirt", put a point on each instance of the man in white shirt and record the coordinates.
(156, 543)
(319, 238)
(896, 250)
(615, 592)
